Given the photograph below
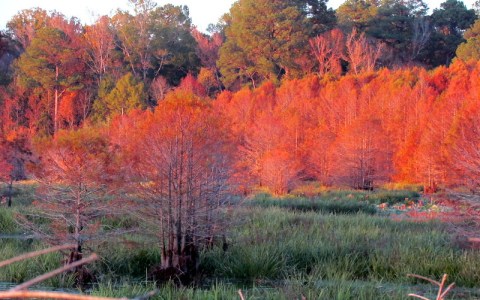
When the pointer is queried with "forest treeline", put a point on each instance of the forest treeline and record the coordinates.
(374, 91)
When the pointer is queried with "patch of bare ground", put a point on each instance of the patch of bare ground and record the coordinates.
(460, 213)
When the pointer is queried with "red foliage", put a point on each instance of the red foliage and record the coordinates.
(191, 84)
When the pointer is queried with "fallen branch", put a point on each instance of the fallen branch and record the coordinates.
(45, 276)
(34, 254)
(49, 295)
(441, 292)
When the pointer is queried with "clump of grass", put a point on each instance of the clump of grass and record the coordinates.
(338, 201)
(403, 186)
(309, 189)
(393, 196)
(27, 269)
(341, 206)
(7, 221)
(251, 263)
(116, 222)
(126, 259)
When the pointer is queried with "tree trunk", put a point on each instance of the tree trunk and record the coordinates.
(56, 102)
(10, 188)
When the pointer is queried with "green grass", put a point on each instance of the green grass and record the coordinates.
(24, 270)
(23, 193)
(7, 221)
(294, 288)
(329, 246)
(339, 247)
(129, 259)
(341, 206)
(337, 201)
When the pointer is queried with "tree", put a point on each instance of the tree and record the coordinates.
(159, 88)
(266, 157)
(328, 50)
(9, 51)
(319, 17)
(449, 21)
(134, 36)
(361, 54)
(73, 170)
(262, 41)
(127, 94)
(362, 155)
(471, 48)
(174, 46)
(157, 41)
(100, 44)
(179, 174)
(6, 169)
(54, 63)
(26, 23)
(394, 25)
(464, 138)
(207, 51)
(190, 84)
(357, 13)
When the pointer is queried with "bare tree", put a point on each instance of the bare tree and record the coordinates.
(100, 42)
(159, 88)
(328, 50)
(362, 54)
(362, 155)
(421, 35)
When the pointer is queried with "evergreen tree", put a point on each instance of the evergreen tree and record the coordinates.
(127, 94)
(262, 42)
(471, 48)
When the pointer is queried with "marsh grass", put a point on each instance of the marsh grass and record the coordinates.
(341, 206)
(7, 221)
(24, 270)
(23, 192)
(129, 258)
(336, 201)
(340, 247)
(294, 288)
(330, 246)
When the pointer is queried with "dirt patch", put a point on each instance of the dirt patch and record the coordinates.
(460, 212)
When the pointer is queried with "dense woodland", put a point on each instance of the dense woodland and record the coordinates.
(278, 93)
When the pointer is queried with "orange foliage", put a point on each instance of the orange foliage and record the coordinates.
(408, 125)
(359, 130)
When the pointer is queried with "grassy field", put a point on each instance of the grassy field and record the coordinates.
(333, 245)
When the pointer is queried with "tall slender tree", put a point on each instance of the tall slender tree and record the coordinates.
(53, 62)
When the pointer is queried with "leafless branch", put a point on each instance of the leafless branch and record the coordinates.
(441, 292)
(34, 254)
(241, 295)
(49, 295)
(45, 276)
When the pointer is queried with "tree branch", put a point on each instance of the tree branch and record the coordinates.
(45, 276)
(34, 254)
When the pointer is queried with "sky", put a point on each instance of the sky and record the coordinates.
(202, 12)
